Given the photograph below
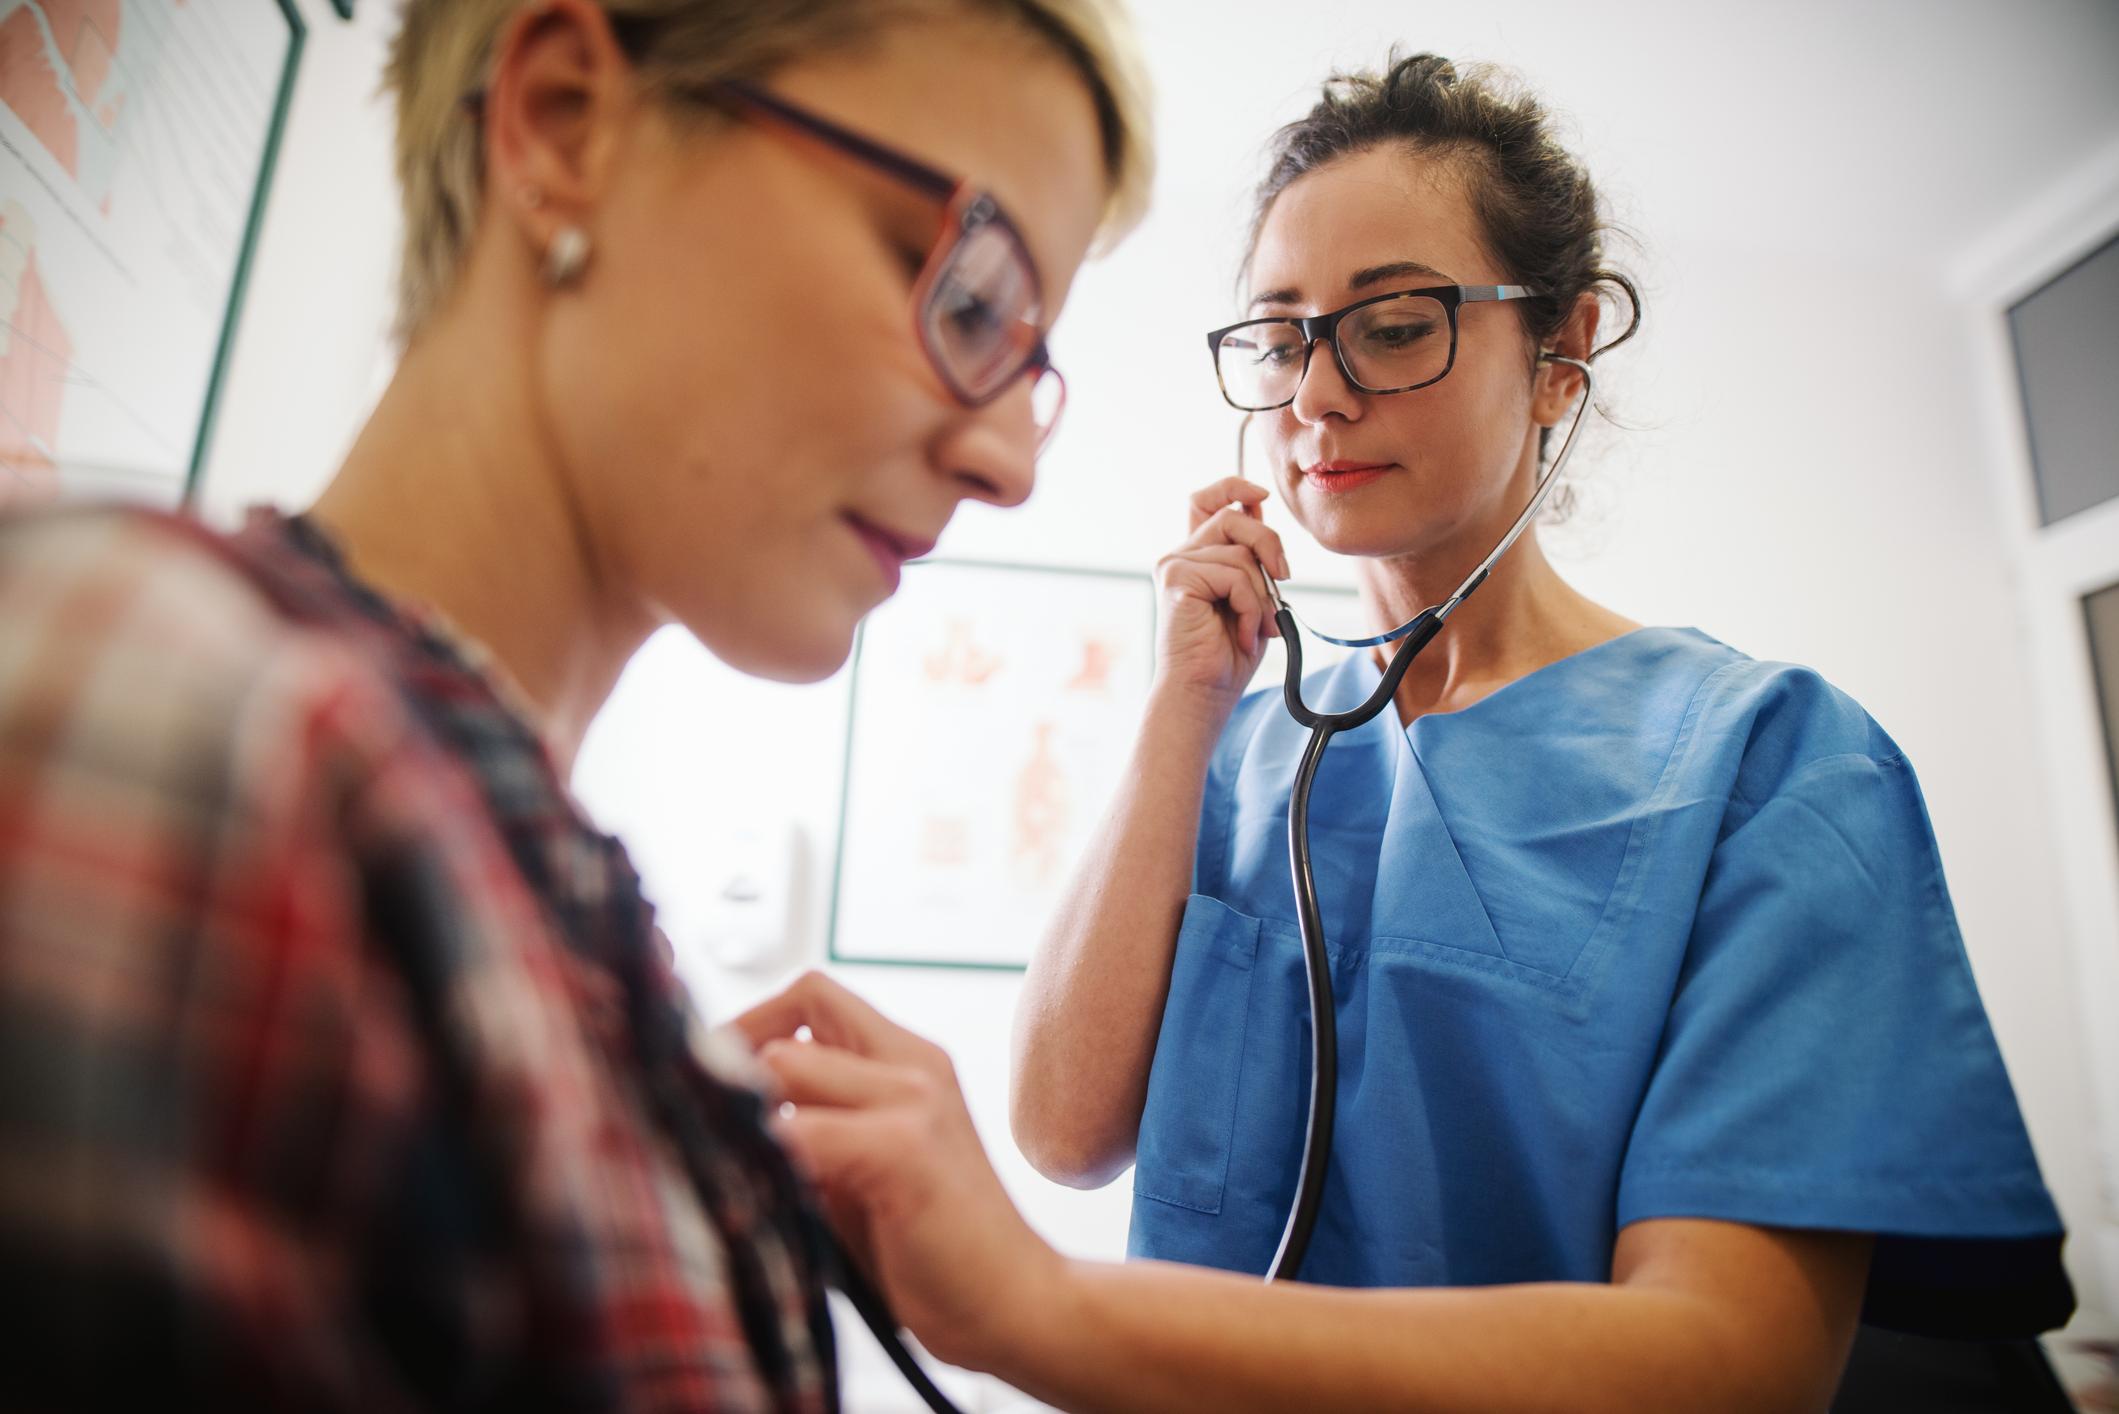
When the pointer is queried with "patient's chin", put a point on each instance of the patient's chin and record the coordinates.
(804, 654)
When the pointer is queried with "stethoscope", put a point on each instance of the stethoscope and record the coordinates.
(1411, 636)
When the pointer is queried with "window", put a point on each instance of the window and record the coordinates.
(2066, 334)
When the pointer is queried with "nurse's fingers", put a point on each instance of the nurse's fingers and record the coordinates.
(834, 1016)
(1245, 592)
(1242, 559)
(1229, 526)
(1226, 579)
(1245, 495)
(815, 1073)
(841, 1152)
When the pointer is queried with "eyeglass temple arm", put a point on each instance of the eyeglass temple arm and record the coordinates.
(906, 168)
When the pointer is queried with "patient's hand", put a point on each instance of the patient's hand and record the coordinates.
(880, 1125)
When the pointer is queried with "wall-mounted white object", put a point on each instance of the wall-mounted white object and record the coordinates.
(745, 912)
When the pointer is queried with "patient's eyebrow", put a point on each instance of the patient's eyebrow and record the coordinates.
(1359, 280)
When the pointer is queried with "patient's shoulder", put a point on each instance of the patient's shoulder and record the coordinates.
(137, 657)
(91, 584)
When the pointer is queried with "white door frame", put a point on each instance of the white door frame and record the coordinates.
(2053, 567)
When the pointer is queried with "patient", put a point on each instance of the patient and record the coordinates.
(341, 1066)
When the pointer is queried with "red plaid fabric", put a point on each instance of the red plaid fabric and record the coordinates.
(340, 1064)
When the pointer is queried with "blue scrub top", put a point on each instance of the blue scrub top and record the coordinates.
(1656, 931)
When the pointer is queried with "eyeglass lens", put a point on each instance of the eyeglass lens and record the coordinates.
(981, 319)
(981, 303)
(1392, 344)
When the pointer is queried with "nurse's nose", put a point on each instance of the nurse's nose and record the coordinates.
(1324, 390)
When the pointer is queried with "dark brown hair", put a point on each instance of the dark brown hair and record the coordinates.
(1534, 201)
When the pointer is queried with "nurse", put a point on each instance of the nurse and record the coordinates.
(1661, 1066)
(1638, 944)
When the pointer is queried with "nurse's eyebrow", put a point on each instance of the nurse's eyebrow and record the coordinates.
(1360, 280)
(1377, 274)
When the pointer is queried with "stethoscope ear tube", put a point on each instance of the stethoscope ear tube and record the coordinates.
(1414, 636)
(1538, 497)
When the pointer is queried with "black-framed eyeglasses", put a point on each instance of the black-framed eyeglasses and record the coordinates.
(978, 304)
(1388, 343)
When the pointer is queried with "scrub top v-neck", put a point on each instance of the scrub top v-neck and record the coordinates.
(1656, 931)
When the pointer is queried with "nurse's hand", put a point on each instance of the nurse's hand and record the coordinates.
(880, 1126)
(1216, 617)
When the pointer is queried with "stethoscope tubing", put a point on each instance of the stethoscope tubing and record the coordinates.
(1411, 636)
(875, 1313)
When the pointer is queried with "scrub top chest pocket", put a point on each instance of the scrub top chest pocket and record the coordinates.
(1435, 1089)
(1190, 1115)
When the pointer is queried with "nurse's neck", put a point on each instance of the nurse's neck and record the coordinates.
(1523, 618)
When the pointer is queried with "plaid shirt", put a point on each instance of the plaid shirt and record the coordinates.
(341, 1065)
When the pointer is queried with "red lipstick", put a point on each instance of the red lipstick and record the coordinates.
(1344, 475)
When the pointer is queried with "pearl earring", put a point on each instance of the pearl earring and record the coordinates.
(566, 257)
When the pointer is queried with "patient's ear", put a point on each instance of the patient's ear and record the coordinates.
(557, 110)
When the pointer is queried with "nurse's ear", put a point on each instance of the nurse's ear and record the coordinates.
(1558, 386)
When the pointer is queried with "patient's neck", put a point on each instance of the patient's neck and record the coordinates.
(454, 499)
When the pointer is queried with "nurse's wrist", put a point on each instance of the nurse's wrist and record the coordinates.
(1190, 707)
(1043, 1333)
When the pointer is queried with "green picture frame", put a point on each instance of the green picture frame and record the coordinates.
(298, 36)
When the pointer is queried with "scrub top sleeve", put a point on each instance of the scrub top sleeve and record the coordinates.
(1827, 1063)
(1210, 855)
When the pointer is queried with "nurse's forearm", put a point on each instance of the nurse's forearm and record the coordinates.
(1092, 1002)
(1150, 1336)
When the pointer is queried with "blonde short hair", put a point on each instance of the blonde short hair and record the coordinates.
(443, 55)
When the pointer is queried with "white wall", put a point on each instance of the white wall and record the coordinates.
(1812, 475)
(311, 351)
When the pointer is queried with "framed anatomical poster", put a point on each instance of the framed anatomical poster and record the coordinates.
(993, 710)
